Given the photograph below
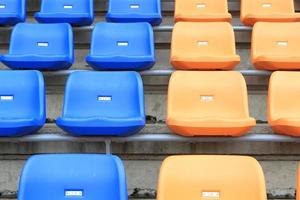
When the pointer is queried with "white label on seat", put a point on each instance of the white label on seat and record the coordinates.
(282, 43)
(122, 44)
(2, 6)
(7, 98)
(134, 6)
(43, 44)
(104, 98)
(211, 195)
(201, 5)
(68, 6)
(74, 193)
(207, 98)
(202, 43)
(266, 5)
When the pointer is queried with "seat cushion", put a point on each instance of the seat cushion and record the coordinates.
(101, 125)
(211, 126)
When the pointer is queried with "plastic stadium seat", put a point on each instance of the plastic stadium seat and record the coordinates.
(22, 102)
(75, 12)
(275, 46)
(134, 11)
(40, 46)
(283, 105)
(202, 11)
(73, 176)
(203, 48)
(211, 178)
(253, 11)
(116, 46)
(103, 103)
(208, 104)
(12, 11)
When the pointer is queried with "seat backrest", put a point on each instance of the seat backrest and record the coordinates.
(283, 99)
(12, 6)
(41, 39)
(131, 39)
(67, 6)
(207, 94)
(266, 7)
(275, 39)
(211, 178)
(202, 7)
(204, 40)
(136, 6)
(22, 95)
(77, 176)
(104, 94)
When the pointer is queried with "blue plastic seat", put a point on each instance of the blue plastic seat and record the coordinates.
(73, 176)
(118, 46)
(40, 46)
(12, 12)
(22, 102)
(103, 103)
(75, 12)
(134, 11)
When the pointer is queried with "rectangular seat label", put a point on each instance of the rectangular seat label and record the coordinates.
(68, 6)
(74, 193)
(104, 98)
(202, 43)
(207, 98)
(2, 6)
(134, 6)
(282, 43)
(43, 44)
(266, 5)
(210, 195)
(6, 98)
(201, 5)
(122, 43)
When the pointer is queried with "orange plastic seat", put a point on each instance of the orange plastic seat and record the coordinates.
(202, 11)
(208, 104)
(284, 103)
(275, 46)
(203, 46)
(211, 178)
(253, 11)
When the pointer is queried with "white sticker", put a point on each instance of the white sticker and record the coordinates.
(266, 5)
(2, 6)
(134, 6)
(122, 44)
(68, 6)
(207, 98)
(202, 43)
(201, 5)
(212, 195)
(43, 44)
(104, 98)
(7, 98)
(282, 43)
(73, 193)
